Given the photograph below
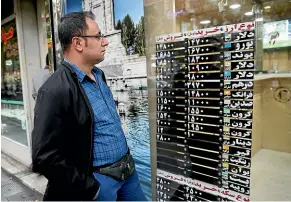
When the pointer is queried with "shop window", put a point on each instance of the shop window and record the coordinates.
(12, 107)
(220, 73)
(49, 35)
(45, 34)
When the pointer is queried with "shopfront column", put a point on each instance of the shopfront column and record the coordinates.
(30, 51)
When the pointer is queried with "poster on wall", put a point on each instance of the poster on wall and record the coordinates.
(125, 70)
(204, 89)
(277, 34)
(129, 83)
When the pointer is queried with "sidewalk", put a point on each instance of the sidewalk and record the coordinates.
(13, 190)
(19, 181)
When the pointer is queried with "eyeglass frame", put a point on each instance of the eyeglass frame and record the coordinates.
(97, 36)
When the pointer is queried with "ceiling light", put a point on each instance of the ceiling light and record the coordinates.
(204, 22)
(267, 7)
(259, 19)
(235, 6)
(249, 13)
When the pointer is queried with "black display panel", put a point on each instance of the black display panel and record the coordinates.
(204, 93)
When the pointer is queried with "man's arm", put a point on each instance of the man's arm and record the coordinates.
(47, 158)
(34, 92)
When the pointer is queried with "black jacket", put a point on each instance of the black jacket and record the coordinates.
(62, 138)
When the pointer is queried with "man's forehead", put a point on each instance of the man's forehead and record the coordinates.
(92, 25)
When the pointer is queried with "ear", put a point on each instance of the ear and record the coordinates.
(77, 43)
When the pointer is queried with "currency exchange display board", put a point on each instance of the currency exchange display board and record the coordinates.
(204, 89)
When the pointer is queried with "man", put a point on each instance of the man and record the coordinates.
(40, 77)
(274, 35)
(78, 143)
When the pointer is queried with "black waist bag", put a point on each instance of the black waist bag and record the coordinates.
(120, 170)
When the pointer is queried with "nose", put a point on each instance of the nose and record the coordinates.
(105, 42)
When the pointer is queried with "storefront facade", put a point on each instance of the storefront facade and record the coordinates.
(204, 89)
(219, 82)
(24, 46)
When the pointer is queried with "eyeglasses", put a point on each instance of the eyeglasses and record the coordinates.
(97, 36)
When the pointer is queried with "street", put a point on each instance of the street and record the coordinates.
(13, 190)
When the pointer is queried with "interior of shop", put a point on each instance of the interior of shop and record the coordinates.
(45, 33)
(13, 114)
(271, 138)
(12, 106)
(271, 17)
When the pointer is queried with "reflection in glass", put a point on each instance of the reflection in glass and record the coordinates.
(255, 84)
(49, 40)
(12, 109)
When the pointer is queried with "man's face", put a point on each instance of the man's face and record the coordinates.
(94, 46)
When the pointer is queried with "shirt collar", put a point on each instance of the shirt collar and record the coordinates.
(81, 74)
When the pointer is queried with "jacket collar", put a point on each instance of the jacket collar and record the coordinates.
(68, 66)
(77, 73)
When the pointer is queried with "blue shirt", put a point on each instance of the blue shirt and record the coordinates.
(109, 140)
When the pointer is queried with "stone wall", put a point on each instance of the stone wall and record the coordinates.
(134, 65)
(103, 11)
(109, 21)
(97, 8)
(115, 51)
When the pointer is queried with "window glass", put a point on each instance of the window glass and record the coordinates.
(124, 67)
(219, 98)
(49, 41)
(12, 107)
(45, 34)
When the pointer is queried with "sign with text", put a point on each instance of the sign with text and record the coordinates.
(204, 89)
